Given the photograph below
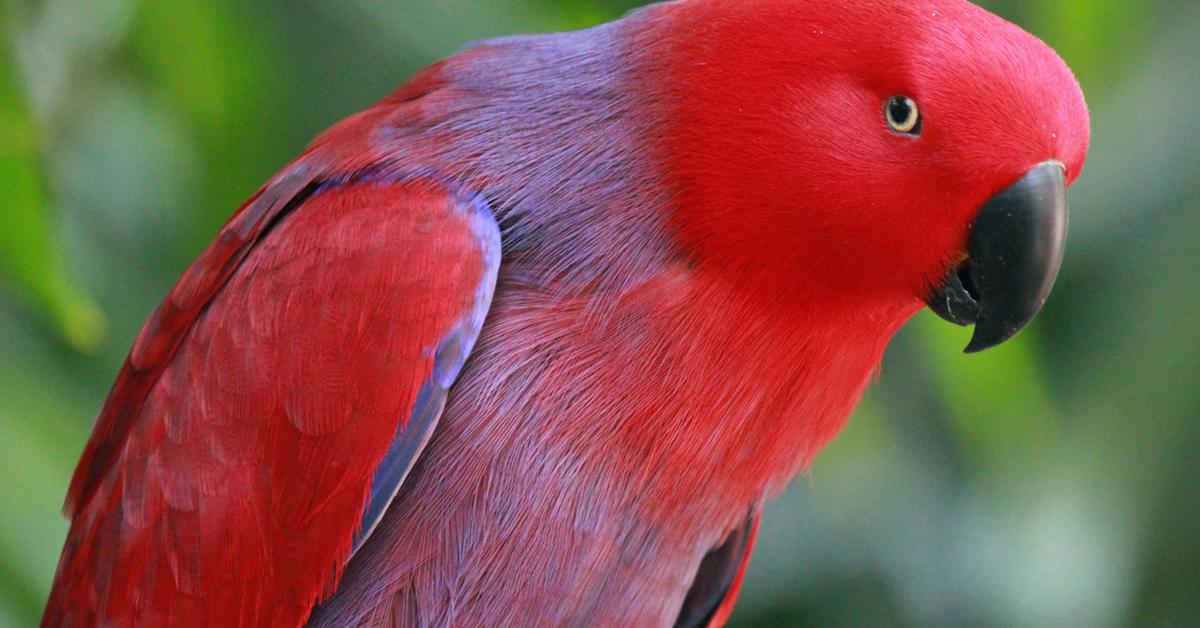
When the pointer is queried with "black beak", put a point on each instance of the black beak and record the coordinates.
(1014, 252)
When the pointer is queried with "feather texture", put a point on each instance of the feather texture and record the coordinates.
(228, 494)
(710, 235)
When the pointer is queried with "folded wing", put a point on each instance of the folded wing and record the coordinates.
(273, 404)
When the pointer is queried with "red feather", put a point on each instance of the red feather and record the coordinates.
(229, 468)
(710, 236)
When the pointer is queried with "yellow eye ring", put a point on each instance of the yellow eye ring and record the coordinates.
(903, 115)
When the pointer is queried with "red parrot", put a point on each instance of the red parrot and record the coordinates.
(531, 341)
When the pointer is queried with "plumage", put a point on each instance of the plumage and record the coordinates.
(218, 493)
(709, 236)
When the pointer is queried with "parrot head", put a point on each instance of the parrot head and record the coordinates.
(875, 156)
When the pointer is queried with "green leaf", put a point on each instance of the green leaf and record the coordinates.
(997, 402)
(31, 262)
(215, 65)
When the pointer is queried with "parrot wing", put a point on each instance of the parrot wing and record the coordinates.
(275, 401)
(709, 601)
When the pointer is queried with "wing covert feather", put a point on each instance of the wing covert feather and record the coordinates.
(231, 467)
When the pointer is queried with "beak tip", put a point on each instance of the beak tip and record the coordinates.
(989, 334)
(978, 345)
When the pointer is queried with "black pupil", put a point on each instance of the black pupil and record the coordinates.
(900, 110)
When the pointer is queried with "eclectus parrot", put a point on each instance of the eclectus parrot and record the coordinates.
(531, 341)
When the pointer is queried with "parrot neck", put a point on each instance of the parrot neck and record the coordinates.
(806, 362)
(747, 392)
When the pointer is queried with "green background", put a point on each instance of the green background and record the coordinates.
(1054, 481)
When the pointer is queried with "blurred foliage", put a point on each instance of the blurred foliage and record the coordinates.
(1051, 482)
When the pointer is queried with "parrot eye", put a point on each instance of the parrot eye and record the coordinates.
(902, 115)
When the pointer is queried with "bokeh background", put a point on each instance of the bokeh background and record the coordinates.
(1054, 481)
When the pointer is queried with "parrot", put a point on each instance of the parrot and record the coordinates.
(534, 339)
